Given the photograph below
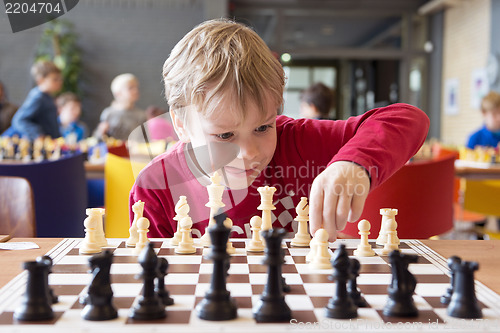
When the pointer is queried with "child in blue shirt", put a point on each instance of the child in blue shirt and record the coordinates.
(37, 117)
(70, 108)
(489, 134)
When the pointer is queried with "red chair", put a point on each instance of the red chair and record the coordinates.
(422, 192)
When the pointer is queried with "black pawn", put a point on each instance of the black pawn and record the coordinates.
(36, 305)
(352, 285)
(52, 296)
(218, 304)
(402, 287)
(271, 306)
(341, 305)
(149, 306)
(463, 303)
(160, 284)
(99, 301)
(445, 299)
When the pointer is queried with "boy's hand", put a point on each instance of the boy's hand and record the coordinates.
(337, 195)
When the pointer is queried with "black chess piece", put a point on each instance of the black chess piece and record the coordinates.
(402, 287)
(352, 285)
(149, 306)
(463, 302)
(36, 305)
(341, 305)
(160, 282)
(99, 301)
(445, 299)
(52, 296)
(218, 304)
(272, 306)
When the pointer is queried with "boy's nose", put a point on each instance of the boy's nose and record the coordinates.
(248, 150)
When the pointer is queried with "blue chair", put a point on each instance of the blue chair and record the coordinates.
(60, 193)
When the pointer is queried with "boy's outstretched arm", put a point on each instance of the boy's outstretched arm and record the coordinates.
(373, 146)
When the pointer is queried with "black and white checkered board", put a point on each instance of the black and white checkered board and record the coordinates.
(189, 278)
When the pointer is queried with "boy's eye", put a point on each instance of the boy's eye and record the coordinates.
(262, 128)
(225, 136)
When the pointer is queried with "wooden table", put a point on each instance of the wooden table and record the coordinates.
(486, 252)
(472, 170)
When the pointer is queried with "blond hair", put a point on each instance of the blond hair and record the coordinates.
(222, 58)
(42, 68)
(119, 81)
(490, 101)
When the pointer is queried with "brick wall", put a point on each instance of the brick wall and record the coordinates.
(116, 36)
(466, 46)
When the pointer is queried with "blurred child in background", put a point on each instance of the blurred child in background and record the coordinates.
(489, 134)
(316, 102)
(37, 117)
(122, 116)
(69, 108)
(158, 126)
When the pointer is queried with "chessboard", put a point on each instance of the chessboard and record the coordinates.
(189, 277)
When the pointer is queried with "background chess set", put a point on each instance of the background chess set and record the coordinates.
(189, 277)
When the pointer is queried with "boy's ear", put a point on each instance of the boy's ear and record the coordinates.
(179, 128)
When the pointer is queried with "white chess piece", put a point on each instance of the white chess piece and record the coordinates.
(186, 245)
(266, 205)
(137, 209)
(364, 248)
(255, 244)
(302, 237)
(312, 252)
(391, 243)
(181, 211)
(387, 214)
(142, 229)
(321, 258)
(228, 223)
(90, 244)
(101, 237)
(215, 192)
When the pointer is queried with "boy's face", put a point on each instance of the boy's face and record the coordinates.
(492, 118)
(253, 139)
(70, 112)
(129, 92)
(51, 84)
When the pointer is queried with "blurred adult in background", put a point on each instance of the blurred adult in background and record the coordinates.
(316, 102)
(7, 109)
(120, 118)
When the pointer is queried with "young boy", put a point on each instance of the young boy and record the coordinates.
(37, 117)
(316, 102)
(225, 90)
(122, 116)
(489, 134)
(70, 108)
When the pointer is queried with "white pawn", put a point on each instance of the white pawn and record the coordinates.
(228, 223)
(312, 252)
(186, 245)
(142, 229)
(391, 243)
(137, 209)
(364, 248)
(90, 244)
(181, 211)
(302, 237)
(321, 259)
(255, 244)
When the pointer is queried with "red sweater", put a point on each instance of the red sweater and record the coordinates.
(381, 140)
